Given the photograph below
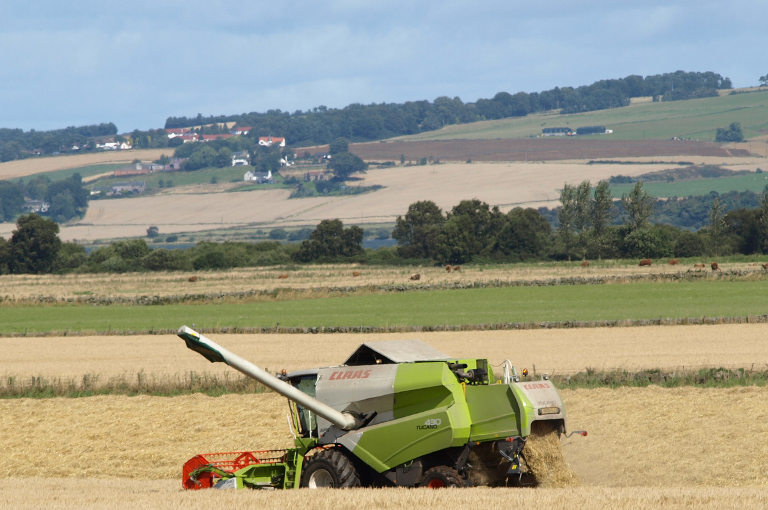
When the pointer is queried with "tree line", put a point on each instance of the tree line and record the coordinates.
(61, 200)
(591, 225)
(19, 144)
(359, 122)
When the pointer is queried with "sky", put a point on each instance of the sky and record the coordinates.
(135, 63)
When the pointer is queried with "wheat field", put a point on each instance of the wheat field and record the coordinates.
(554, 351)
(638, 437)
(679, 446)
(31, 166)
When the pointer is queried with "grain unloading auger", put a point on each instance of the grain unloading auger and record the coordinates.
(395, 413)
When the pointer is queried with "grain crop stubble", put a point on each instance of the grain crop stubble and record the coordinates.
(554, 351)
(35, 493)
(639, 437)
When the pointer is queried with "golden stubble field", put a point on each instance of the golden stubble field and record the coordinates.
(554, 351)
(681, 447)
(676, 448)
(31, 166)
(508, 185)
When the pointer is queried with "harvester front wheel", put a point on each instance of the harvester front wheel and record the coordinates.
(329, 468)
(440, 477)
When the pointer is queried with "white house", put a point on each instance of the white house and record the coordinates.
(258, 177)
(240, 158)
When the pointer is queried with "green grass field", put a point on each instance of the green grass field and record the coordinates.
(698, 187)
(696, 119)
(669, 300)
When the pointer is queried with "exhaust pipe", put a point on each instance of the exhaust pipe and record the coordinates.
(213, 352)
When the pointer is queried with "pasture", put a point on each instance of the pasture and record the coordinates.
(696, 119)
(698, 187)
(472, 308)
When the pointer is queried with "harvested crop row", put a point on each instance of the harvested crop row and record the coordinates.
(638, 436)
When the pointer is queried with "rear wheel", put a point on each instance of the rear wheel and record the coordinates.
(440, 477)
(329, 468)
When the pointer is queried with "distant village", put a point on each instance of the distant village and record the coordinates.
(189, 135)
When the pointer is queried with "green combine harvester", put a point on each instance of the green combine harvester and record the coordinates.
(396, 413)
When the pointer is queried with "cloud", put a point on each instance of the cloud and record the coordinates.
(138, 62)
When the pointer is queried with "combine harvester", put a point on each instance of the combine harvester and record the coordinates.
(395, 413)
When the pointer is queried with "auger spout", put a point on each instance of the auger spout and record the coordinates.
(213, 352)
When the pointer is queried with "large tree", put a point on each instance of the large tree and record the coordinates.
(583, 216)
(638, 207)
(417, 233)
(731, 134)
(762, 227)
(470, 230)
(34, 245)
(600, 217)
(11, 200)
(566, 217)
(526, 235)
(717, 227)
(344, 164)
(338, 146)
(331, 241)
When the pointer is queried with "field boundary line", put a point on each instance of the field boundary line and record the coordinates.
(499, 326)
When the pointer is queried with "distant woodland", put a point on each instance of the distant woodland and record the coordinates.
(358, 122)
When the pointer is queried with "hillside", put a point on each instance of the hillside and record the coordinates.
(694, 119)
(510, 167)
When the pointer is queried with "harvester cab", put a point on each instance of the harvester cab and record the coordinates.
(394, 413)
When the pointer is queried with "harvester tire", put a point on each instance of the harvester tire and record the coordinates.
(330, 468)
(440, 477)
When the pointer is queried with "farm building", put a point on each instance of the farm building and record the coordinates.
(557, 131)
(591, 130)
(318, 175)
(36, 206)
(123, 188)
(241, 158)
(258, 177)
